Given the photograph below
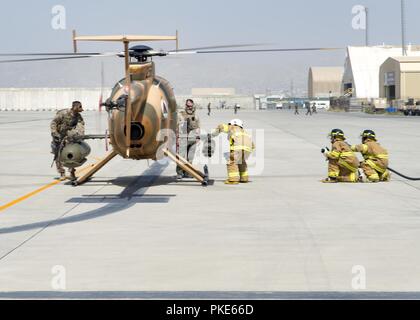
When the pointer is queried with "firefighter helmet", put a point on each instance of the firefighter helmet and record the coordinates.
(236, 122)
(368, 134)
(337, 133)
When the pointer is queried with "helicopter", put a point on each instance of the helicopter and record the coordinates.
(142, 110)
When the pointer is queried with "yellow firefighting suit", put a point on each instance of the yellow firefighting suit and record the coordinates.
(376, 160)
(241, 146)
(342, 162)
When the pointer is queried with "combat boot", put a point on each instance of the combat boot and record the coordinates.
(329, 180)
(73, 175)
(62, 176)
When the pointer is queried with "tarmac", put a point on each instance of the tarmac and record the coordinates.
(134, 231)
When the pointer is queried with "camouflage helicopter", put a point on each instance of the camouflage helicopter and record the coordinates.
(142, 107)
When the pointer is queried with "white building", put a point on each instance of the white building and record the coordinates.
(324, 82)
(362, 65)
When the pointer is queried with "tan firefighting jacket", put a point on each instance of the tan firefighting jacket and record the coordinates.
(238, 138)
(373, 153)
(342, 152)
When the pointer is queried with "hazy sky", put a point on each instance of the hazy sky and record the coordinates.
(26, 27)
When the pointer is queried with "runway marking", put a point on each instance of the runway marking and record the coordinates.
(30, 194)
(26, 196)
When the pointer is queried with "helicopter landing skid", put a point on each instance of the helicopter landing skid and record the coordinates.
(203, 178)
(95, 168)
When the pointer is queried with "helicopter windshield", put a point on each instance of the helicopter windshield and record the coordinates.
(118, 86)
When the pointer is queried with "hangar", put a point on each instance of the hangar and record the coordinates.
(362, 66)
(399, 78)
(324, 82)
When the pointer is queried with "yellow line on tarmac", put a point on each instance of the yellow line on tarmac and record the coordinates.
(26, 196)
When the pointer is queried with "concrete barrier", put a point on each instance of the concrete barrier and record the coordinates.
(32, 99)
(50, 99)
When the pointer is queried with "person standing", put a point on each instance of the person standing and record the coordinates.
(314, 108)
(65, 122)
(189, 135)
(308, 108)
(236, 108)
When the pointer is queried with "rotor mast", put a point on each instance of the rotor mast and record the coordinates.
(128, 108)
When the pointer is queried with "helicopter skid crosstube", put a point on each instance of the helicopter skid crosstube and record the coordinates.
(188, 167)
(95, 168)
(184, 164)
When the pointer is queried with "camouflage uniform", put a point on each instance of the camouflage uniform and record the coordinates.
(241, 146)
(189, 132)
(65, 125)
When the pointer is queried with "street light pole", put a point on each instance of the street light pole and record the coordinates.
(367, 26)
(404, 51)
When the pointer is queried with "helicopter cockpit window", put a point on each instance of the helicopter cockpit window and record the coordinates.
(164, 106)
(118, 86)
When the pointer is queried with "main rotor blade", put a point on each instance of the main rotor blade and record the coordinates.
(254, 50)
(58, 58)
(222, 46)
(50, 54)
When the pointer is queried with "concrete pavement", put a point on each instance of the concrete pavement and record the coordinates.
(133, 228)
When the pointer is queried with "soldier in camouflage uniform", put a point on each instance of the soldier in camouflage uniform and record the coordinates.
(189, 134)
(67, 125)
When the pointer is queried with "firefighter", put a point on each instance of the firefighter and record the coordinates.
(342, 162)
(241, 146)
(375, 164)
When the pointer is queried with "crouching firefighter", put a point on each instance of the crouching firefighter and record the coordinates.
(375, 164)
(66, 126)
(241, 146)
(342, 162)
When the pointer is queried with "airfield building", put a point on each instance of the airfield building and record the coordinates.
(324, 82)
(361, 77)
(399, 78)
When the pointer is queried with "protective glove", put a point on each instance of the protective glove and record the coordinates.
(214, 134)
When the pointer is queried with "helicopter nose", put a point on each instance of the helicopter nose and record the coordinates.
(137, 131)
